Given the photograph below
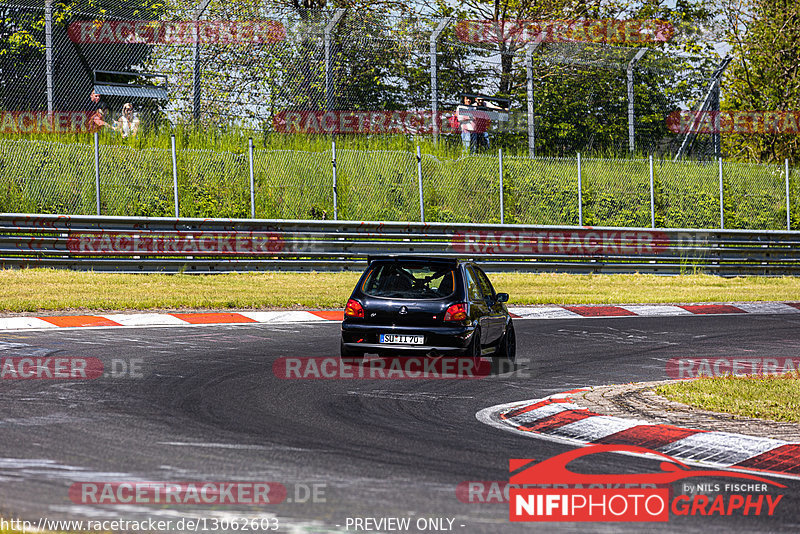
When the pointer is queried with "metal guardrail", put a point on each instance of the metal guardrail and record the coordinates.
(129, 244)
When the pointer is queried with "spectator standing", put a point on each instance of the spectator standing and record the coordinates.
(96, 102)
(98, 119)
(98, 112)
(128, 124)
(482, 124)
(466, 120)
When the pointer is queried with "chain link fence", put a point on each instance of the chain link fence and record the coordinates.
(541, 190)
(755, 196)
(687, 194)
(293, 184)
(196, 62)
(380, 185)
(611, 201)
(197, 66)
(462, 190)
(42, 177)
(134, 182)
(45, 177)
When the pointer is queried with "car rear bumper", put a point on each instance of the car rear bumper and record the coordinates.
(439, 340)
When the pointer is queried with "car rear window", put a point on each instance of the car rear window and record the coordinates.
(409, 281)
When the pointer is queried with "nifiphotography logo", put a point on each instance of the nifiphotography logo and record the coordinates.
(580, 498)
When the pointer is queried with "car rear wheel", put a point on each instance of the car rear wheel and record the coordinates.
(474, 349)
(508, 347)
(350, 356)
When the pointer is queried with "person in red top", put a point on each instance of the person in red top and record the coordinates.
(99, 120)
(482, 124)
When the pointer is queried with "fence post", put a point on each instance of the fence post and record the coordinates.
(788, 202)
(252, 181)
(97, 170)
(580, 193)
(335, 193)
(652, 197)
(529, 50)
(48, 51)
(196, 73)
(434, 39)
(419, 179)
(502, 207)
(327, 43)
(721, 199)
(631, 110)
(691, 132)
(175, 176)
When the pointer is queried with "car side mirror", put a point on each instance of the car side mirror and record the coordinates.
(501, 297)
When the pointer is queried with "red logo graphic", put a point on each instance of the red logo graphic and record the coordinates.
(499, 491)
(50, 368)
(199, 243)
(577, 242)
(618, 504)
(360, 122)
(564, 31)
(735, 122)
(697, 367)
(413, 122)
(176, 32)
(44, 122)
(394, 368)
(186, 493)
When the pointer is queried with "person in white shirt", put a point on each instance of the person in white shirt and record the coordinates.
(127, 123)
(466, 119)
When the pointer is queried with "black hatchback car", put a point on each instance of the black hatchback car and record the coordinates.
(411, 305)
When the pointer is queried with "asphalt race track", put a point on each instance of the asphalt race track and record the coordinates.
(203, 404)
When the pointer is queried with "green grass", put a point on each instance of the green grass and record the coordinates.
(766, 397)
(34, 290)
(377, 180)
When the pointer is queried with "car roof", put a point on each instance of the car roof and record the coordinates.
(408, 258)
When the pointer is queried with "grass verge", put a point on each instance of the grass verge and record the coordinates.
(767, 397)
(31, 290)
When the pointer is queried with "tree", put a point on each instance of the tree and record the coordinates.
(22, 51)
(765, 73)
(580, 97)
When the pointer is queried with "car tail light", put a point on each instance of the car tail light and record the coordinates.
(354, 309)
(456, 312)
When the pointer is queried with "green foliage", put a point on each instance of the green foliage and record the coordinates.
(22, 50)
(374, 183)
(765, 75)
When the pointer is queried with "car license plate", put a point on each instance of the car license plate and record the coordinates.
(402, 339)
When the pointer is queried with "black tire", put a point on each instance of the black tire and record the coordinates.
(349, 356)
(474, 349)
(508, 346)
